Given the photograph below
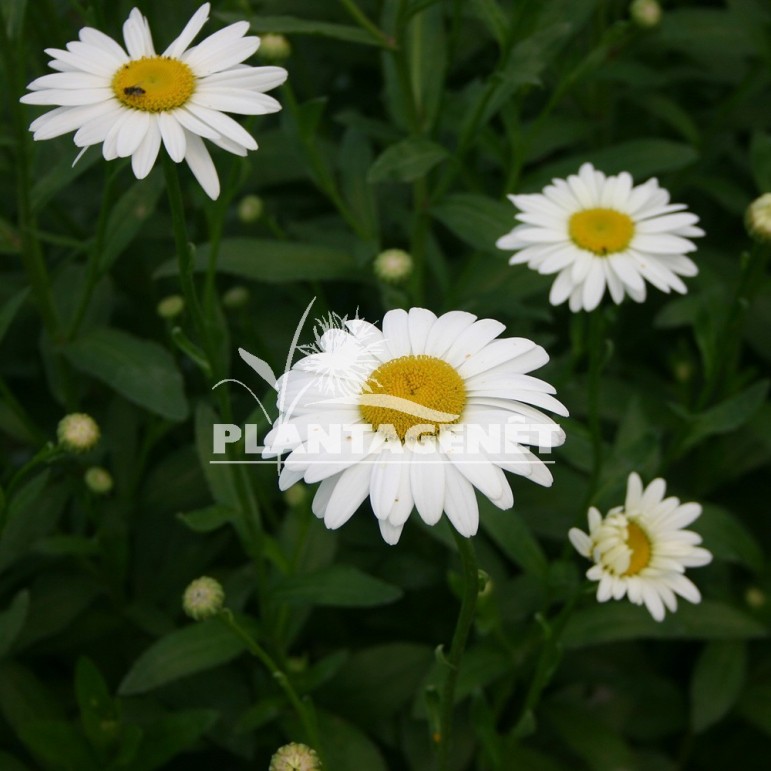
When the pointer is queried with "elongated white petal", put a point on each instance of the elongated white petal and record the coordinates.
(200, 163)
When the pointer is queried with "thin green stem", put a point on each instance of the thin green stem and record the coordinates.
(361, 19)
(305, 711)
(595, 347)
(462, 629)
(184, 250)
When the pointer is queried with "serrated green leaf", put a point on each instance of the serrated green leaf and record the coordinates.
(338, 586)
(183, 652)
(140, 370)
(406, 161)
(717, 681)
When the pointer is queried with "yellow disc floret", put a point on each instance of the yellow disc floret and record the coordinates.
(154, 84)
(423, 390)
(602, 231)
(640, 545)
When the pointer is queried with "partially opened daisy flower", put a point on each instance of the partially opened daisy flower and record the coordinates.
(641, 550)
(414, 416)
(595, 232)
(131, 102)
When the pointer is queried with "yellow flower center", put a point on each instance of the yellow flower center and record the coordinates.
(412, 391)
(638, 542)
(154, 83)
(602, 231)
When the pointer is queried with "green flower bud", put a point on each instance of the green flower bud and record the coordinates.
(645, 13)
(203, 598)
(758, 218)
(236, 297)
(250, 208)
(98, 480)
(78, 432)
(295, 495)
(295, 757)
(393, 266)
(170, 307)
(274, 48)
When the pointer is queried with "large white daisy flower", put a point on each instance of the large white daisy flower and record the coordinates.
(131, 102)
(595, 231)
(423, 412)
(641, 550)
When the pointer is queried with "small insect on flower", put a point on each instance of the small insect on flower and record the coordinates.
(134, 91)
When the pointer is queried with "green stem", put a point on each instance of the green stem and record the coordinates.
(462, 629)
(418, 240)
(94, 260)
(595, 344)
(361, 19)
(184, 251)
(305, 711)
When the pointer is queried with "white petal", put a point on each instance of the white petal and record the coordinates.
(421, 321)
(200, 163)
(427, 479)
(173, 135)
(97, 38)
(460, 503)
(252, 78)
(396, 332)
(143, 159)
(391, 533)
(472, 340)
(349, 493)
(384, 483)
(237, 101)
(68, 97)
(445, 331)
(136, 34)
(223, 125)
(581, 541)
(133, 132)
(186, 37)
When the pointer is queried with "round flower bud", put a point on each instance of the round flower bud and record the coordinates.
(645, 13)
(250, 208)
(393, 266)
(274, 48)
(203, 598)
(78, 432)
(171, 306)
(98, 480)
(295, 757)
(295, 495)
(755, 597)
(758, 218)
(236, 297)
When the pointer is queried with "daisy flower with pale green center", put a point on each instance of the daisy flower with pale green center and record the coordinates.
(414, 416)
(131, 100)
(641, 550)
(597, 232)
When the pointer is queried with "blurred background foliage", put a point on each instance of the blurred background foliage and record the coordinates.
(407, 135)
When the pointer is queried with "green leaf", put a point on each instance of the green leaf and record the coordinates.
(614, 621)
(59, 175)
(494, 18)
(98, 713)
(12, 620)
(293, 25)
(337, 586)
(717, 681)
(183, 652)
(727, 538)
(219, 476)
(642, 158)
(142, 371)
(511, 534)
(760, 160)
(30, 516)
(477, 220)
(168, 735)
(58, 745)
(13, 12)
(406, 161)
(273, 262)
(128, 215)
(729, 414)
(207, 519)
(755, 705)
(346, 748)
(10, 309)
(354, 159)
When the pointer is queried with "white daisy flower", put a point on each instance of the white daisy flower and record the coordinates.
(131, 102)
(430, 409)
(641, 550)
(595, 231)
